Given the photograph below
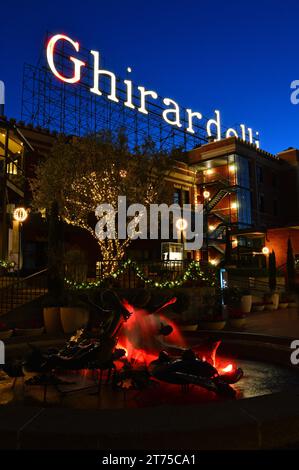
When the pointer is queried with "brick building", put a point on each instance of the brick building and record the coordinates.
(251, 197)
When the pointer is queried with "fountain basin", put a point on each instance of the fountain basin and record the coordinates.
(266, 418)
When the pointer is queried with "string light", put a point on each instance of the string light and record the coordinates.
(192, 273)
(7, 264)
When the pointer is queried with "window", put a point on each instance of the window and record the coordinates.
(185, 197)
(176, 196)
(261, 203)
(259, 175)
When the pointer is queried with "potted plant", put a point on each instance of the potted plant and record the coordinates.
(5, 332)
(258, 306)
(31, 328)
(232, 298)
(292, 301)
(51, 314)
(246, 301)
(269, 305)
(284, 301)
(212, 313)
(274, 296)
(74, 314)
(237, 318)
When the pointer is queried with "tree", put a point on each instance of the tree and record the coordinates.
(291, 273)
(55, 254)
(272, 271)
(82, 173)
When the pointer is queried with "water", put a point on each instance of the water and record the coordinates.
(259, 379)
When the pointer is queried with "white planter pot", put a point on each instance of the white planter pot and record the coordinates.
(246, 303)
(270, 307)
(73, 318)
(275, 300)
(258, 308)
(212, 325)
(5, 334)
(237, 322)
(283, 305)
(189, 327)
(52, 320)
(29, 331)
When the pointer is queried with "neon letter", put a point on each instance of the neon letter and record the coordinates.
(231, 133)
(190, 119)
(175, 110)
(128, 83)
(96, 74)
(216, 123)
(50, 58)
(143, 94)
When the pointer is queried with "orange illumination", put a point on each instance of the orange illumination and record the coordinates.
(228, 368)
(206, 194)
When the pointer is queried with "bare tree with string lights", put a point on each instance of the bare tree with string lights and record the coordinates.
(82, 173)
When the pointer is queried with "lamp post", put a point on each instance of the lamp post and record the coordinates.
(181, 226)
(206, 195)
(20, 214)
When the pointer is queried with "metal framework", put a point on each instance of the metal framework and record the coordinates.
(73, 110)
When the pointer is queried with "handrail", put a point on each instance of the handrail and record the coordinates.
(19, 280)
(22, 291)
(23, 279)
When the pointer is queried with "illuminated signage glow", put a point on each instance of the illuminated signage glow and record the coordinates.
(172, 112)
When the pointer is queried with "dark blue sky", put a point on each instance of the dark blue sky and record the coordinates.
(239, 57)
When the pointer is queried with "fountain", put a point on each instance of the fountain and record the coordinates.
(133, 365)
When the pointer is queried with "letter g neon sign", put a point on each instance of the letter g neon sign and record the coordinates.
(50, 57)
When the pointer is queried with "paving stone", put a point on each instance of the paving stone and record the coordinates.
(277, 417)
(216, 426)
(12, 420)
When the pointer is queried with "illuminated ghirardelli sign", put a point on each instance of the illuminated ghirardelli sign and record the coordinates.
(172, 111)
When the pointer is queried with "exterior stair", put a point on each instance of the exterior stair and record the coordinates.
(20, 291)
(220, 194)
(217, 232)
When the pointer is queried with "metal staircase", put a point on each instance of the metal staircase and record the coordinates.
(217, 232)
(20, 291)
(220, 194)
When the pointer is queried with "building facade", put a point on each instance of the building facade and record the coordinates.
(250, 198)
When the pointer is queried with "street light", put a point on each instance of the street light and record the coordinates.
(20, 214)
(181, 224)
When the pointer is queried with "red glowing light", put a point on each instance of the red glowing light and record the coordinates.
(228, 368)
(50, 58)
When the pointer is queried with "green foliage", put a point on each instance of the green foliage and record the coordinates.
(232, 296)
(193, 273)
(272, 271)
(291, 273)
